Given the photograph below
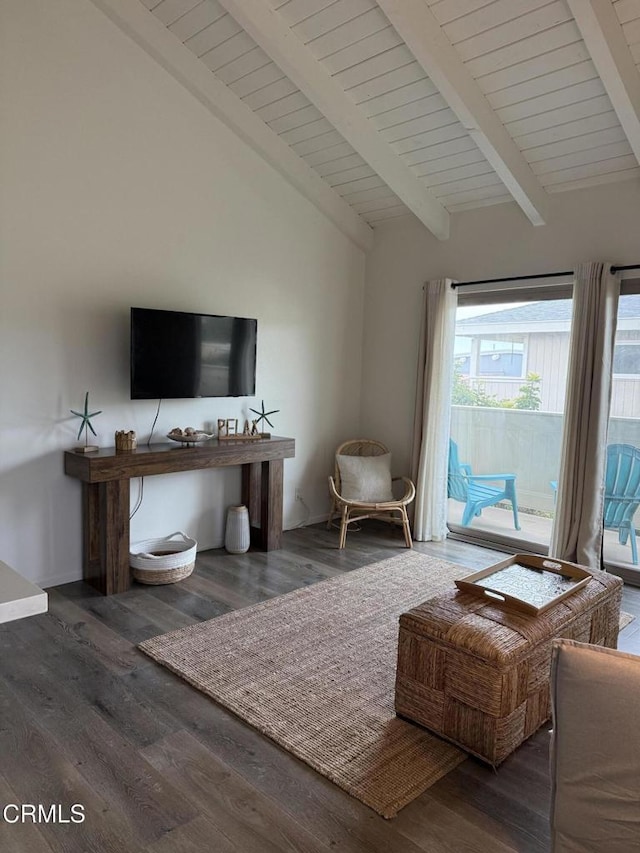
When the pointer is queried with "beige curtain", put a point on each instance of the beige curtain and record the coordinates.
(577, 528)
(433, 410)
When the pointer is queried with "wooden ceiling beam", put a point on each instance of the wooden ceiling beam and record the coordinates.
(148, 32)
(605, 40)
(271, 32)
(424, 37)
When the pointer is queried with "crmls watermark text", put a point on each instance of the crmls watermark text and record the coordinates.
(38, 813)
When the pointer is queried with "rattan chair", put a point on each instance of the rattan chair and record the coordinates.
(351, 511)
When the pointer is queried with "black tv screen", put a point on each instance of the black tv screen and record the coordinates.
(175, 354)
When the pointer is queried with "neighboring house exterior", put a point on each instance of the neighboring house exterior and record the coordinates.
(496, 351)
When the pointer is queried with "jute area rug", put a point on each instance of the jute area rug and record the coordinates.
(315, 671)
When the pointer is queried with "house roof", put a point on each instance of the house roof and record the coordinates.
(548, 311)
(377, 110)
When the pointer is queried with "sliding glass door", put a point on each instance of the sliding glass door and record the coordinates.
(510, 370)
(622, 486)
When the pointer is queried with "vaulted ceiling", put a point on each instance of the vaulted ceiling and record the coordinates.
(377, 110)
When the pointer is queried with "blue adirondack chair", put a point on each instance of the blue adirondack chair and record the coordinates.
(476, 491)
(622, 493)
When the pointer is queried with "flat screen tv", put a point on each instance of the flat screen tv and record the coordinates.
(175, 354)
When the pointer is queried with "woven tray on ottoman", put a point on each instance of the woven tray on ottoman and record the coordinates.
(477, 674)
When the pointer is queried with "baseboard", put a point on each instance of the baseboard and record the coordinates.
(631, 577)
(218, 543)
(71, 577)
(57, 580)
(314, 519)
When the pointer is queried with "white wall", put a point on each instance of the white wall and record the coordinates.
(118, 189)
(601, 223)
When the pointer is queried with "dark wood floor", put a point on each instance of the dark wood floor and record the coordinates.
(87, 718)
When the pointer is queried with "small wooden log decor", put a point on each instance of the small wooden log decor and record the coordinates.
(126, 439)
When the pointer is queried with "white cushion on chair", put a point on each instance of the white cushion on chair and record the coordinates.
(365, 478)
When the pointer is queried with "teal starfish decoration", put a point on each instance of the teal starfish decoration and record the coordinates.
(86, 416)
(264, 416)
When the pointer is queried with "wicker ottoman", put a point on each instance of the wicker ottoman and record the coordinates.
(478, 674)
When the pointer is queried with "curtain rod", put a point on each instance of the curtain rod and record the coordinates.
(541, 275)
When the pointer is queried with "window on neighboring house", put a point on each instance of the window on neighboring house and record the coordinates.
(500, 356)
(626, 358)
(462, 354)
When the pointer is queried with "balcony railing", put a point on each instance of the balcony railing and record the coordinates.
(527, 444)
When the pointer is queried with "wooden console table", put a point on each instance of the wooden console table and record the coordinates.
(105, 479)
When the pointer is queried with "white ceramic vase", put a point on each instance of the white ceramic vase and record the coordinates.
(237, 537)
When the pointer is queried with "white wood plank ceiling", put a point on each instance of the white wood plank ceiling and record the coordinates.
(424, 107)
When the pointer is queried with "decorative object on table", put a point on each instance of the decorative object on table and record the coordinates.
(126, 439)
(237, 537)
(264, 416)
(189, 436)
(167, 560)
(228, 431)
(85, 426)
(227, 428)
(526, 582)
